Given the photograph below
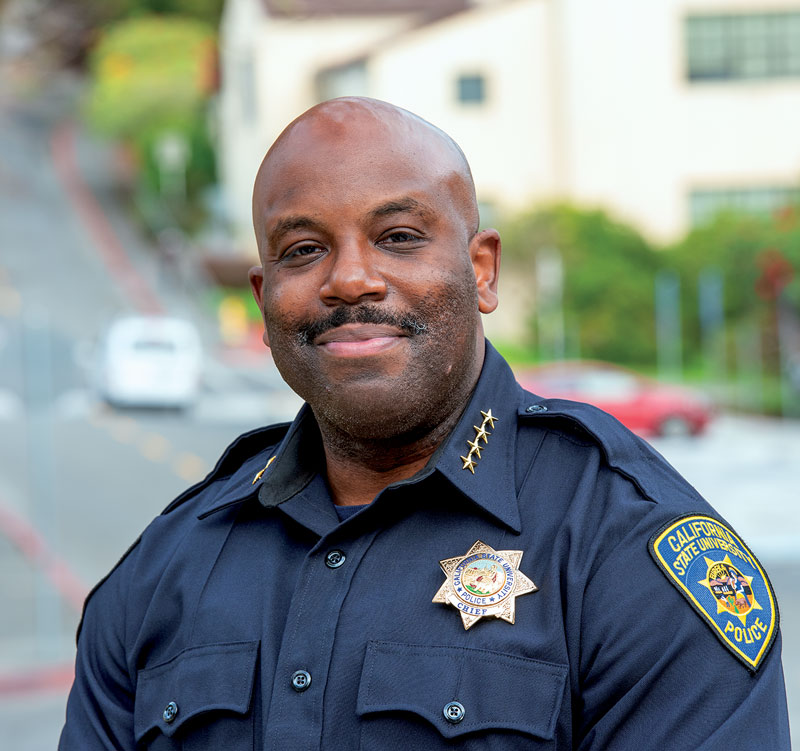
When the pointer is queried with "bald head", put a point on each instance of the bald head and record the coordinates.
(339, 138)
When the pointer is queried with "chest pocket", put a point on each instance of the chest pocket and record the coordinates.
(443, 697)
(199, 699)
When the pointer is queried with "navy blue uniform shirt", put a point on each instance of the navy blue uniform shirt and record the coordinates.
(249, 616)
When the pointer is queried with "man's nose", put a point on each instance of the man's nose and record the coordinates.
(353, 275)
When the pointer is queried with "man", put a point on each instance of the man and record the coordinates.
(428, 556)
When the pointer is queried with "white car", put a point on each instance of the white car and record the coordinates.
(151, 361)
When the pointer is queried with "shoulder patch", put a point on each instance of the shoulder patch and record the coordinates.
(722, 580)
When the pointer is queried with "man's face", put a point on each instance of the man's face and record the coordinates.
(371, 279)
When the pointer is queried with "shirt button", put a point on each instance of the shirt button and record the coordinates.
(170, 712)
(536, 408)
(453, 712)
(301, 680)
(335, 558)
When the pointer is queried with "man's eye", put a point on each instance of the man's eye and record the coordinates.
(399, 237)
(301, 253)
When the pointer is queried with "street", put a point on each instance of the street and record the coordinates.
(79, 481)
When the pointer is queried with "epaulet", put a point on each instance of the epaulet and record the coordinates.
(245, 446)
(624, 451)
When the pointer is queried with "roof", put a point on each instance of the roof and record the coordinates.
(294, 8)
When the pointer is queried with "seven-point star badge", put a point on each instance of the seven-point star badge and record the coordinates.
(484, 582)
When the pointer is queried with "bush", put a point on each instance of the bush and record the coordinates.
(150, 78)
(608, 279)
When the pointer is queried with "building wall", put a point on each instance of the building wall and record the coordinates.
(237, 110)
(285, 55)
(641, 136)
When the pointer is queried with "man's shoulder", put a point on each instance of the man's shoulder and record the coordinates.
(240, 461)
(591, 430)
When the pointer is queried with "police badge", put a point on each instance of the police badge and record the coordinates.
(484, 582)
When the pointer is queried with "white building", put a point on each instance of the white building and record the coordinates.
(661, 111)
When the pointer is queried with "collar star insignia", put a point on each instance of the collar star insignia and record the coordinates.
(260, 474)
(481, 434)
(474, 448)
(484, 582)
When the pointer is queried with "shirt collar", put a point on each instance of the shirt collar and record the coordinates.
(492, 408)
(298, 459)
(238, 487)
(489, 484)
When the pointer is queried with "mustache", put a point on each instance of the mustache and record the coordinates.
(310, 330)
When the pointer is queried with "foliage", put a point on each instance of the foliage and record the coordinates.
(609, 272)
(149, 74)
(755, 256)
(150, 80)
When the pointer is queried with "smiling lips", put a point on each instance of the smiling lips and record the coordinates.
(359, 339)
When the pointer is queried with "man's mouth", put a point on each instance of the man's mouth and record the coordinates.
(359, 325)
(359, 339)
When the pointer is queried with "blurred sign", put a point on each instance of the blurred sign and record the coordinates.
(776, 273)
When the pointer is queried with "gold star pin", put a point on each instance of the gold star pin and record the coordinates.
(260, 474)
(474, 448)
(484, 582)
(481, 432)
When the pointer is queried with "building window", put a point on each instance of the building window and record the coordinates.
(743, 46)
(471, 89)
(704, 205)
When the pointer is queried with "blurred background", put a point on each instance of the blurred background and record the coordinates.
(641, 160)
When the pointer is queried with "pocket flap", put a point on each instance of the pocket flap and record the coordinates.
(197, 680)
(497, 690)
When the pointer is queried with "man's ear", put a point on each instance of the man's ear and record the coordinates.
(484, 251)
(256, 277)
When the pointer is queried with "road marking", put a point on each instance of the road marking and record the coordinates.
(90, 212)
(154, 447)
(53, 678)
(123, 429)
(189, 467)
(26, 538)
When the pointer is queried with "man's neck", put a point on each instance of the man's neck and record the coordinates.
(358, 470)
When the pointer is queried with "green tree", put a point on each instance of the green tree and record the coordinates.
(150, 80)
(150, 73)
(609, 272)
(757, 258)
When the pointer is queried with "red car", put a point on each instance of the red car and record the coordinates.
(641, 404)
